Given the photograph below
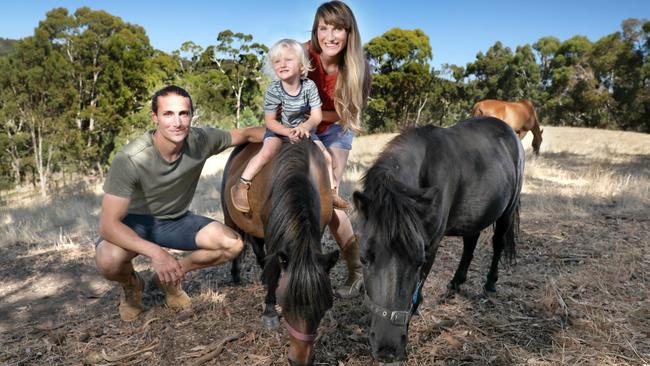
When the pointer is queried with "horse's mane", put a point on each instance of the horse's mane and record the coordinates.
(293, 228)
(393, 207)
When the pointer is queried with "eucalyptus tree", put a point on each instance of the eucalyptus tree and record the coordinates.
(402, 80)
(240, 60)
(488, 70)
(36, 95)
(109, 65)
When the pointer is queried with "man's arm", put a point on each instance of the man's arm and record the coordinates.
(239, 136)
(111, 228)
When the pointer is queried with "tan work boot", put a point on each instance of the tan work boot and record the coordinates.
(338, 202)
(239, 196)
(131, 298)
(354, 284)
(175, 296)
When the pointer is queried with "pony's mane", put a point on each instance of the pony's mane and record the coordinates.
(294, 228)
(392, 206)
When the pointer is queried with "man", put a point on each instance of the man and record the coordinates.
(148, 190)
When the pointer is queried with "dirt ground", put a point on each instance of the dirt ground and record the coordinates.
(578, 294)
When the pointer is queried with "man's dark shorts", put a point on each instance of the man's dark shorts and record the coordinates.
(179, 233)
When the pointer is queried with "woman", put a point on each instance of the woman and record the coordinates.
(343, 80)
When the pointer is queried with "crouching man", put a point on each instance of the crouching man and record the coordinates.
(147, 193)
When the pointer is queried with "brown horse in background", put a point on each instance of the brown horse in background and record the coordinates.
(291, 204)
(519, 115)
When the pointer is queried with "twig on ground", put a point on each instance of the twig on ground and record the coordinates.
(144, 326)
(216, 349)
(128, 355)
(635, 351)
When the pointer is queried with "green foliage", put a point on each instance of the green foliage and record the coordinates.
(488, 71)
(6, 45)
(239, 59)
(401, 85)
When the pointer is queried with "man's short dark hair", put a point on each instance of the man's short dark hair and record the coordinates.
(170, 89)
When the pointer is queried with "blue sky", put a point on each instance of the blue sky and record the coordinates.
(457, 29)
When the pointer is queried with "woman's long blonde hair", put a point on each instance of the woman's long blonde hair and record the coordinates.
(352, 83)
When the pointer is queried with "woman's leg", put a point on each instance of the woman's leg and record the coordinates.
(337, 201)
(341, 228)
(328, 162)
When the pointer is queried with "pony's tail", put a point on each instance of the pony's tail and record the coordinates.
(512, 236)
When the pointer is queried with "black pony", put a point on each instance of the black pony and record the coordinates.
(290, 206)
(427, 183)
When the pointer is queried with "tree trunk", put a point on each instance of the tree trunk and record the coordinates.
(238, 96)
(42, 169)
(424, 103)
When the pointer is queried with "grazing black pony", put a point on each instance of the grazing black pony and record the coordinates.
(429, 182)
(291, 205)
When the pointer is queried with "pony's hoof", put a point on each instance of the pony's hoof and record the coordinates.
(490, 290)
(270, 322)
(453, 286)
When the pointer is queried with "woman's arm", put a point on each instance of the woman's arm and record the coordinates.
(315, 117)
(330, 116)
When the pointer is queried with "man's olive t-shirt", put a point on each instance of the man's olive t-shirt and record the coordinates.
(155, 186)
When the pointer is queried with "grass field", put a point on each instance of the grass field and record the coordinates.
(577, 295)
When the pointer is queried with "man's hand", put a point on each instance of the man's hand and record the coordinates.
(169, 270)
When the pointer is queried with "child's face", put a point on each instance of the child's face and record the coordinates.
(287, 65)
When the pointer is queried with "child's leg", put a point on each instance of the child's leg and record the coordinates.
(328, 162)
(269, 149)
(239, 192)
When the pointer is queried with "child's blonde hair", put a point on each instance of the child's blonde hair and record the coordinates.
(296, 47)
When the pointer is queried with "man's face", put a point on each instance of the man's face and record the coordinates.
(173, 117)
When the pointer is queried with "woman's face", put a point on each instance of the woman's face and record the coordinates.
(331, 39)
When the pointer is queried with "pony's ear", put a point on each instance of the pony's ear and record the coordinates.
(360, 202)
(329, 260)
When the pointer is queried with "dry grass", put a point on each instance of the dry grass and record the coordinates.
(578, 294)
